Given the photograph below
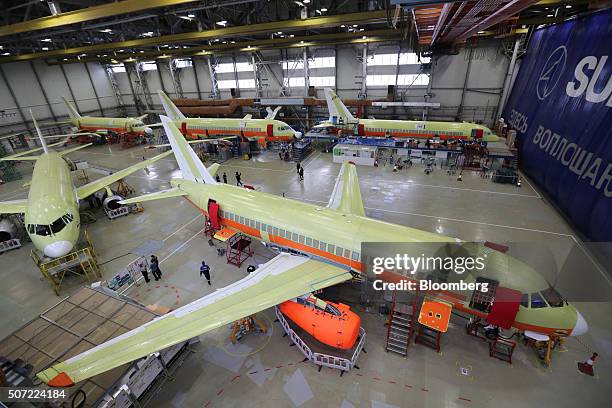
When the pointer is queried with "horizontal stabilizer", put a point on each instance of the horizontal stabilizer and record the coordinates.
(13, 207)
(282, 278)
(158, 195)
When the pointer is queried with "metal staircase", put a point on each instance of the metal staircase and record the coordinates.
(401, 327)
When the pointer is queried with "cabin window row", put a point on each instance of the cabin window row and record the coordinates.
(292, 236)
(416, 131)
(223, 128)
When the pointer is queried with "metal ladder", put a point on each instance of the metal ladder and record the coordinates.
(402, 322)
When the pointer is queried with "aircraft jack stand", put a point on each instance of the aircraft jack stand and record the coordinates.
(245, 326)
(502, 349)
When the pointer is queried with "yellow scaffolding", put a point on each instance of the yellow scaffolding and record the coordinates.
(82, 262)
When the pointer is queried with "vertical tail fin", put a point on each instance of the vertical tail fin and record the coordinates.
(336, 107)
(171, 110)
(272, 113)
(43, 143)
(72, 112)
(188, 161)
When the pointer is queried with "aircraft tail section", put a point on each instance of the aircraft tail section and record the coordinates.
(189, 162)
(72, 112)
(171, 110)
(43, 142)
(337, 109)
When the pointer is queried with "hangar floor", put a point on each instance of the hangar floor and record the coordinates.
(264, 370)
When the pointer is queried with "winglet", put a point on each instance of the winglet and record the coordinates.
(61, 380)
(43, 142)
(188, 161)
(171, 110)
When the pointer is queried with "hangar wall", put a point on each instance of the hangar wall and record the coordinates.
(478, 96)
(561, 108)
(35, 83)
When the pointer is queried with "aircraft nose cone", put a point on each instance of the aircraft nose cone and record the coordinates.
(57, 249)
(148, 130)
(581, 326)
(297, 135)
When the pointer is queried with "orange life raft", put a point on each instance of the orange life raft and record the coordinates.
(331, 323)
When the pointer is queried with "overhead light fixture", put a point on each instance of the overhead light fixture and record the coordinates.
(323, 10)
(191, 15)
(549, 15)
(568, 6)
(318, 11)
(121, 51)
(141, 51)
(355, 25)
(106, 30)
(185, 18)
(364, 38)
(1, 47)
(306, 1)
(279, 32)
(233, 42)
(222, 23)
(291, 35)
(46, 40)
(361, 29)
(65, 59)
(6, 53)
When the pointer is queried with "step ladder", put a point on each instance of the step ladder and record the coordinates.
(402, 321)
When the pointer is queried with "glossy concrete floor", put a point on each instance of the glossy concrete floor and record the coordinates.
(263, 371)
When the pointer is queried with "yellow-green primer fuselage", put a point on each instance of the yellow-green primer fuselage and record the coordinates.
(52, 216)
(337, 237)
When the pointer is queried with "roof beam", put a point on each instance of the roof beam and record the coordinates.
(248, 46)
(508, 10)
(287, 25)
(88, 14)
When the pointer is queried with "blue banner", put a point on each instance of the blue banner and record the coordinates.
(561, 108)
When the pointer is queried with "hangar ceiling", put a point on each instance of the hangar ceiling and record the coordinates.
(65, 31)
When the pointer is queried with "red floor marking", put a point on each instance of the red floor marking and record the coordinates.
(207, 404)
(424, 389)
(253, 372)
(267, 369)
(236, 377)
(220, 392)
(465, 399)
(279, 366)
(407, 386)
(361, 375)
(165, 286)
(376, 378)
(157, 286)
(392, 382)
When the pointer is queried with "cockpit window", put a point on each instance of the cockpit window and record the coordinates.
(553, 298)
(55, 227)
(282, 128)
(537, 302)
(525, 299)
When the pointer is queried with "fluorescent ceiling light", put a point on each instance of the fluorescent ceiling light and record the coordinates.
(306, 1)
(191, 15)
(6, 53)
(46, 40)
(222, 23)
(324, 10)
(106, 30)
(568, 6)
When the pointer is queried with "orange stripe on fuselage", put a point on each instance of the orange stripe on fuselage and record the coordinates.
(199, 133)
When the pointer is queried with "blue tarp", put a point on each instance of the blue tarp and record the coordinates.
(561, 107)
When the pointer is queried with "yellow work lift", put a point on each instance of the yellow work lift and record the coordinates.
(82, 262)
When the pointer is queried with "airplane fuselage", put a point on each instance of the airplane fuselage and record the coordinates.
(117, 125)
(337, 237)
(52, 216)
(269, 130)
(415, 129)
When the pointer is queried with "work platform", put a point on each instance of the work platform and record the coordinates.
(82, 321)
(322, 354)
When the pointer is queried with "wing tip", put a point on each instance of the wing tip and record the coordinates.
(61, 380)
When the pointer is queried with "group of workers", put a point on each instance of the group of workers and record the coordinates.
(156, 272)
(238, 176)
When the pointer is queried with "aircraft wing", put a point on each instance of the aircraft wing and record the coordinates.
(74, 149)
(171, 192)
(282, 278)
(346, 196)
(13, 207)
(22, 155)
(90, 188)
